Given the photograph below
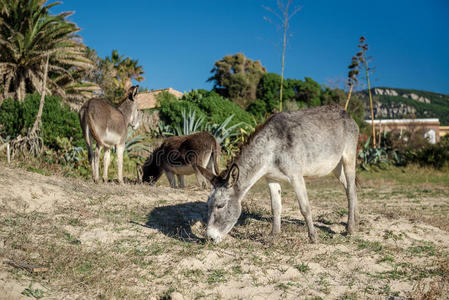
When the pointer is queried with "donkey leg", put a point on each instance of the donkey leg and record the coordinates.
(276, 205)
(120, 148)
(202, 181)
(301, 193)
(180, 181)
(349, 170)
(91, 157)
(106, 161)
(171, 178)
(338, 172)
(97, 163)
(211, 163)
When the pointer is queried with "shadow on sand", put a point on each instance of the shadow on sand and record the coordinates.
(176, 221)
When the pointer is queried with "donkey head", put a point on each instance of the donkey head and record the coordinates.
(223, 203)
(152, 169)
(131, 96)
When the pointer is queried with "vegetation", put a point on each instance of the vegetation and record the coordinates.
(437, 108)
(236, 77)
(29, 34)
(285, 14)
(114, 74)
(299, 94)
(210, 105)
(57, 120)
(402, 149)
(156, 239)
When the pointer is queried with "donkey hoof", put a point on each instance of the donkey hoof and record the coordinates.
(313, 238)
(350, 230)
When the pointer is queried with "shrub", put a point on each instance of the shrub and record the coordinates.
(214, 108)
(436, 155)
(305, 93)
(57, 119)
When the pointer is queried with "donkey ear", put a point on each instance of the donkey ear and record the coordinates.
(233, 176)
(206, 173)
(132, 92)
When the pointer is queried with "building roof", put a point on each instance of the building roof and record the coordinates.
(406, 121)
(147, 100)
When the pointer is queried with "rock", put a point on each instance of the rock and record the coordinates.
(176, 296)
(378, 91)
(416, 97)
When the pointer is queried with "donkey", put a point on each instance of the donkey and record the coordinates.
(108, 126)
(176, 156)
(287, 147)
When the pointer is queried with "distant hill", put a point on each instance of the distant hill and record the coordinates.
(393, 103)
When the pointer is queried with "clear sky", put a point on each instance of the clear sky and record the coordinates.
(177, 42)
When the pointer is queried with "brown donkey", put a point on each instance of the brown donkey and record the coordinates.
(108, 126)
(176, 156)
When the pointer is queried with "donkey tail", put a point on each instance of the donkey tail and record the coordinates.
(91, 128)
(85, 128)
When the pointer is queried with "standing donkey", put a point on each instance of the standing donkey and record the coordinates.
(287, 147)
(108, 126)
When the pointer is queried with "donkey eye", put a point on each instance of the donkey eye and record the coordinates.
(220, 206)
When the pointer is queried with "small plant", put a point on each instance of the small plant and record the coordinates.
(33, 292)
(303, 268)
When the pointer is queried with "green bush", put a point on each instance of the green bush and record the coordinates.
(436, 155)
(57, 119)
(305, 93)
(210, 105)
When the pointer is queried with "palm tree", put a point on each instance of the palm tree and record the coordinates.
(115, 75)
(28, 34)
(123, 69)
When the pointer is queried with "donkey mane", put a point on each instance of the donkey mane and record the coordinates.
(244, 144)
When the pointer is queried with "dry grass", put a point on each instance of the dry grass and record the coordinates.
(107, 241)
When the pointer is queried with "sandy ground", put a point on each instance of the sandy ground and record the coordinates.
(167, 227)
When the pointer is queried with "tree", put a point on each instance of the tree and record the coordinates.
(364, 61)
(115, 74)
(237, 77)
(28, 34)
(286, 12)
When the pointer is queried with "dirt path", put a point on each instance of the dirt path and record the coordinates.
(109, 241)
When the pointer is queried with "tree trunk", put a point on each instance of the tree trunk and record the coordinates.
(284, 45)
(349, 96)
(37, 122)
(370, 103)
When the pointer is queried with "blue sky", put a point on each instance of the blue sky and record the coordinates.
(177, 42)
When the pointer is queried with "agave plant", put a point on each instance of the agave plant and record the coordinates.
(191, 123)
(222, 132)
(369, 156)
(135, 147)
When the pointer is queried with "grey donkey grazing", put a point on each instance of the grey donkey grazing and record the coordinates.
(288, 147)
(176, 156)
(108, 126)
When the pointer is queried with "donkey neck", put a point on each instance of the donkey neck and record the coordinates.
(126, 108)
(252, 166)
